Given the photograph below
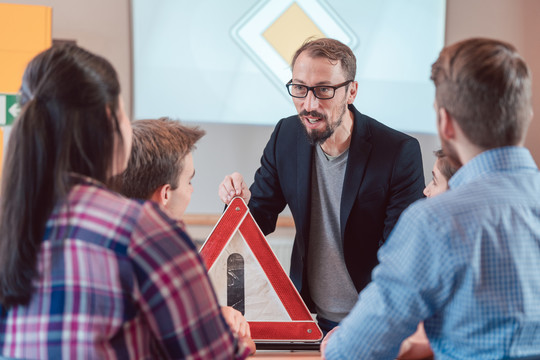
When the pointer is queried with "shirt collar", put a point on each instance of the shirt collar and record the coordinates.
(503, 159)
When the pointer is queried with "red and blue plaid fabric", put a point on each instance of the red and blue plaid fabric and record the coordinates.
(118, 280)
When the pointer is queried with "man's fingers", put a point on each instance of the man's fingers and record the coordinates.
(225, 193)
(245, 330)
(233, 185)
(227, 189)
(238, 182)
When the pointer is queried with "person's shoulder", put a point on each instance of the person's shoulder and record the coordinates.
(94, 195)
(290, 119)
(289, 123)
(153, 225)
(107, 218)
(496, 190)
(451, 204)
(377, 129)
(418, 210)
(436, 210)
(287, 130)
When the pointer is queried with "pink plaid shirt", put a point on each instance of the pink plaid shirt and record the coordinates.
(118, 280)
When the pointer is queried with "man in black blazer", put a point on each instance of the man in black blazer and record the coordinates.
(345, 177)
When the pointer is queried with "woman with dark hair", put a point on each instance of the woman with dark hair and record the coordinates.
(84, 272)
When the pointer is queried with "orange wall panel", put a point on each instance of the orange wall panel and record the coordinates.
(25, 30)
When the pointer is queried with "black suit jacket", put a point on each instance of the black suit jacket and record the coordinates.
(384, 175)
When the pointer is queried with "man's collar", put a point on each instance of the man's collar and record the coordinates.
(508, 158)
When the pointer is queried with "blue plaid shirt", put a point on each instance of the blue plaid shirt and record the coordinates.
(467, 262)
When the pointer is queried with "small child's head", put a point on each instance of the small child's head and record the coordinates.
(442, 171)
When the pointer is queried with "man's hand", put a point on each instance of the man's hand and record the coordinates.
(416, 346)
(239, 325)
(236, 321)
(325, 341)
(233, 185)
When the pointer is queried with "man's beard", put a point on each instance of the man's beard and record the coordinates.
(320, 136)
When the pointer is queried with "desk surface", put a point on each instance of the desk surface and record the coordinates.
(284, 354)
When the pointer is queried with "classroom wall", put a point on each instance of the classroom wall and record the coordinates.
(515, 21)
(228, 148)
(101, 26)
(104, 27)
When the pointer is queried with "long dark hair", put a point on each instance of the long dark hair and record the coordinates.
(67, 125)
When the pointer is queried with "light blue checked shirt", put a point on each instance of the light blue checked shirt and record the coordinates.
(467, 262)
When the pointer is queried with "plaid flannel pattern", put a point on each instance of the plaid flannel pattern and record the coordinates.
(118, 280)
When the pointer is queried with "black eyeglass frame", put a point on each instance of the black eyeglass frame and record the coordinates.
(312, 89)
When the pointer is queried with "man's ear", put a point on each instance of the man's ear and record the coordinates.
(162, 195)
(353, 90)
(446, 125)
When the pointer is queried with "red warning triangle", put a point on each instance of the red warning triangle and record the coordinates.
(244, 270)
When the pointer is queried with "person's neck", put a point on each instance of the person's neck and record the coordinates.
(341, 138)
(466, 150)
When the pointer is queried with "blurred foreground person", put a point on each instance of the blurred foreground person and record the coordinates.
(465, 262)
(84, 272)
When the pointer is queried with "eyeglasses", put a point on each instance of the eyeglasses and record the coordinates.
(324, 92)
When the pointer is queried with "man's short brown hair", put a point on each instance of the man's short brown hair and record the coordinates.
(485, 86)
(157, 156)
(333, 50)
